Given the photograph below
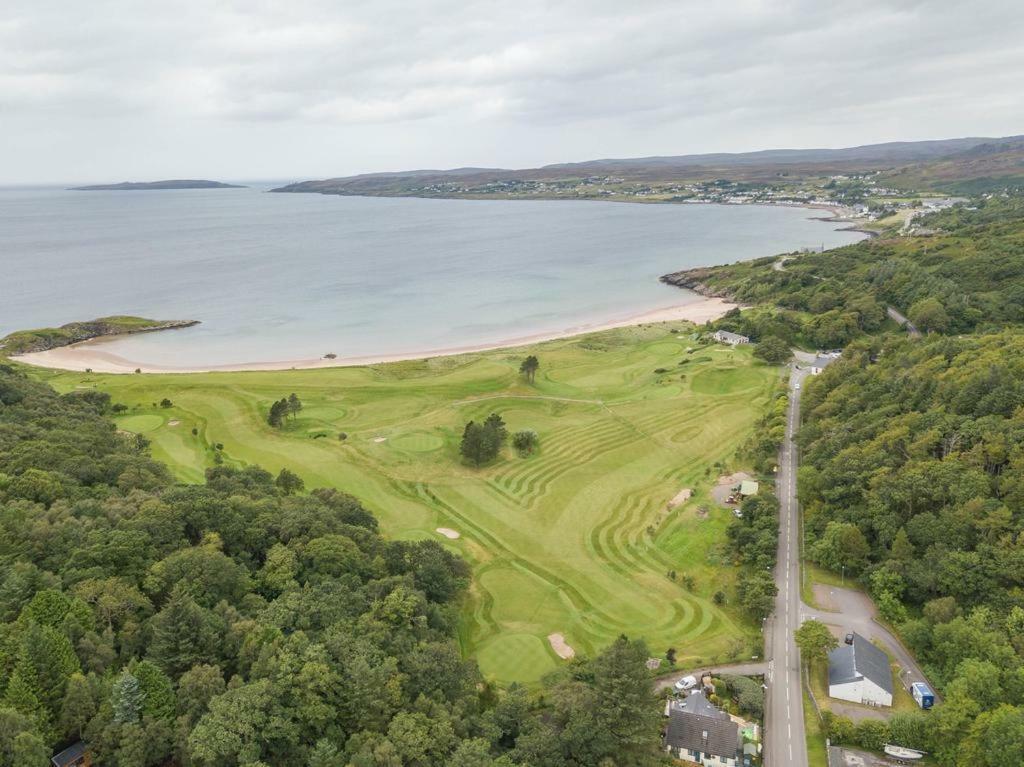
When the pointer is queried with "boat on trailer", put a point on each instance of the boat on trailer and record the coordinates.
(900, 752)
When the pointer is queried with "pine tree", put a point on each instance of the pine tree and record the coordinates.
(324, 754)
(184, 634)
(294, 404)
(278, 411)
(126, 698)
(497, 425)
(529, 367)
(157, 689)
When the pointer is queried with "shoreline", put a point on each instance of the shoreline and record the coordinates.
(89, 355)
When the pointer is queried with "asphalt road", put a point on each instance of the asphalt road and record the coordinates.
(785, 737)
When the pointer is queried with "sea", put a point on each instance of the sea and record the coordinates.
(297, 276)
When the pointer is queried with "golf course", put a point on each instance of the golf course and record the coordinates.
(578, 539)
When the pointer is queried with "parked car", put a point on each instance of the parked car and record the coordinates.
(848, 639)
(686, 683)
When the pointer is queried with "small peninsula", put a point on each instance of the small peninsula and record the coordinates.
(144, 186)
(44, 339)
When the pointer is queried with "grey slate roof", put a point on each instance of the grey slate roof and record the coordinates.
(695, 724)
(861, 660)
(69, 755)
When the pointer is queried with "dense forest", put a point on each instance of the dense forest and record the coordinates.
(966, 277)
(242, 622)
(913, 454)
(913, 480)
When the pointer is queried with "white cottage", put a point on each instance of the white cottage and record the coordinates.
(859, 672)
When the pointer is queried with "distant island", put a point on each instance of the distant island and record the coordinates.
(142, 186)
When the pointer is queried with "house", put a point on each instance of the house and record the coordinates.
(699, 732)
(748, 487)
(859, 672)
(733, 339)
(75, 755)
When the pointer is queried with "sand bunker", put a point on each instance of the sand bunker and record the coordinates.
(562, 650)
(380, 439)
(680, 498)
(447, 532)
(173, 422)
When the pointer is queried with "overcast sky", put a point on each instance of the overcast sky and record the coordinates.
(110, 90)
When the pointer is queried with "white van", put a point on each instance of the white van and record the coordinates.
(686, 683)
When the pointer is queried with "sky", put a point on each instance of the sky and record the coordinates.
(112, 90)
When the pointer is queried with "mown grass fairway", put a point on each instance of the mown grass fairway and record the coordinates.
(575, 539)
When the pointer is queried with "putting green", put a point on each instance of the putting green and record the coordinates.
(516, 658)
(417, 442)
(574, 539)
(140, 423)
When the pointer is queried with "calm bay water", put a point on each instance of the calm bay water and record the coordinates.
(286, 276)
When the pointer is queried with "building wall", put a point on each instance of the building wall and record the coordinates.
(708, 760)
(864, 691)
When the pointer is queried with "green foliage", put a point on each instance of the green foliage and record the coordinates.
(339, 645)
(529, 367)
(482, 442)
(525, 441)
(815, 641)
(772, 350)
(126, 698)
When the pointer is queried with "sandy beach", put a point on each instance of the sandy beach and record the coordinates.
(93, 355)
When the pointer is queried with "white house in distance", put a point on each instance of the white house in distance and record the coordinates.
(727, 337)
(860, 673)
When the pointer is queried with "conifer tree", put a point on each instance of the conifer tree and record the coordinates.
(126, 698)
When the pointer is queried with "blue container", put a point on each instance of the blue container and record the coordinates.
(923, 695)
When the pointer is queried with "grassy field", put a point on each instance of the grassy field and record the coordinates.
(576, 538)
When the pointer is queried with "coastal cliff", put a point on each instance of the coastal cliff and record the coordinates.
(697, 281)
(44, 339)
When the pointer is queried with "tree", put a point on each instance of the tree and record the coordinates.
(184, 634)
(289, 482)
(29, 750)
(126, 698)
(480, 443)
(77, 708)
(772, 350)
(157, 691)
(525, 441)
(294, 404)
(815, 641)
(842, 547)
(756, 593)
(929, 315)
(166, 403)
(277, 414)
(496, 424)
(529, 367)
(196, 688)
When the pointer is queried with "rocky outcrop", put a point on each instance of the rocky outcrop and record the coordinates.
(695, 280)
(43, 339)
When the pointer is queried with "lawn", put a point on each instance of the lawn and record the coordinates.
(576, 538)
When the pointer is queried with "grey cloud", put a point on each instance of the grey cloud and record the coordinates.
(644, 76)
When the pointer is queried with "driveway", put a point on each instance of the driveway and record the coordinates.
(736, 669)
(854, 611)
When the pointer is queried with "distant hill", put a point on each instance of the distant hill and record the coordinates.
(141, 186)
(1000, 155)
